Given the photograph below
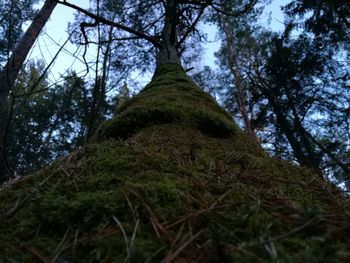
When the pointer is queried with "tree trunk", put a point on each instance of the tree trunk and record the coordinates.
(234, 67)
(9, 74)
(301, 150)
(168, 52)
(157, 168)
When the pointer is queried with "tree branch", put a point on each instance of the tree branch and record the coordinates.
(100, 19)
(191, 28)
(106, 42)
(246, 8)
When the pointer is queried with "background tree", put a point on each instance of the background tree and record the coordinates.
(44, 122)
(13, 16)
(15, 61)
(237, 34)
(293, 86)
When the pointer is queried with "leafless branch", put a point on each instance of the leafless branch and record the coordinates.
(245, 9)
(191, 28)
(100, 19)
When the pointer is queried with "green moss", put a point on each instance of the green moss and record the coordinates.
(175, 190)
(171, 97)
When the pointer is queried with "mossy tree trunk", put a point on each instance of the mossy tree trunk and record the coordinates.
(173, 172)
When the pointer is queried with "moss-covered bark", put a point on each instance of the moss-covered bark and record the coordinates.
(172, 178)
(171, 97)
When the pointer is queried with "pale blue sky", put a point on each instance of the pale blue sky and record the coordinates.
(55, 33)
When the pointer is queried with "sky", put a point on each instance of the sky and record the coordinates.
(55, 34)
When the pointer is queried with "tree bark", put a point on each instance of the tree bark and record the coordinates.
(10, 72)
(168, 53)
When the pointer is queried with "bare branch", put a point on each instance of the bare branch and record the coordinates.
(106, 42)
(237, 13)
(191, 28)
(100, 19)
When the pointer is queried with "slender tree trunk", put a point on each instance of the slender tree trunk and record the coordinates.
(292, 131)
(99, 92)
(9, 74)
(6, 173)
(235, 71)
